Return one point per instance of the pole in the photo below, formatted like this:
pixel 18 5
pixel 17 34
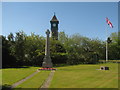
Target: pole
pixel 106 45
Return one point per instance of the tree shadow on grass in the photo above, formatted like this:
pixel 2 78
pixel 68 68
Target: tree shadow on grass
pixel 17 67
pixel 61 65
pixel 81 89
pixel 6 87
pixel 64 65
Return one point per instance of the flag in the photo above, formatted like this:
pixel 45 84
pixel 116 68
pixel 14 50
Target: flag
pixel 108 22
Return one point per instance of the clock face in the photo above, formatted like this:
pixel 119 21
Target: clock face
pixel 54 25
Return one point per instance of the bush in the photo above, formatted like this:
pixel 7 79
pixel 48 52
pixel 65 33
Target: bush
pixel 59 58
pixel 75 58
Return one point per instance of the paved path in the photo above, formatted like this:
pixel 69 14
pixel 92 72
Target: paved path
pixel 46 84
pixel 21 81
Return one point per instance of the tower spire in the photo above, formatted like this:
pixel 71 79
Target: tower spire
pixel 54 18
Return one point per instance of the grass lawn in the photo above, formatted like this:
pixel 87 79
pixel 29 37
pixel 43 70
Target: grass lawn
pixel 36 81
pixel 86 76
pixel 12 75
pixel 76 76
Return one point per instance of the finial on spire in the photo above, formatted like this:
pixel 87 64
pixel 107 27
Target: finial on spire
pixel 54 13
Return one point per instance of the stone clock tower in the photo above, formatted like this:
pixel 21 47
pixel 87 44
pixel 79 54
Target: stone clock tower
pixel 54 27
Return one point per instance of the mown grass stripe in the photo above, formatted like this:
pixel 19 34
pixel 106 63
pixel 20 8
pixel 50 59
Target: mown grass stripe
pixel 21 81
pixel 13 75
pixel 48 80
pixel 36 81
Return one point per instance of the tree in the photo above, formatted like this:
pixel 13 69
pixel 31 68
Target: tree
pixel 35 49
pixel 18 47
pixel 58 52
pixel 8 60
pixel 114 47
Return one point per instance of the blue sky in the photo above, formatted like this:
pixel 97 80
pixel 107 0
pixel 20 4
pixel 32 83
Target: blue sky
pixel 85 18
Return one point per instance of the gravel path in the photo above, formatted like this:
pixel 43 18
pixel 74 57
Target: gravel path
pixel 21 81
pixel 46 84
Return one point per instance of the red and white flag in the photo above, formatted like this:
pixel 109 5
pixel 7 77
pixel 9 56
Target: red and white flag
pixel 109 23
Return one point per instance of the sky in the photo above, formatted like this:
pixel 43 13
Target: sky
pixel 85 18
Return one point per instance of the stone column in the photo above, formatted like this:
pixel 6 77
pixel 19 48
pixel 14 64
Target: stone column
pixel 47 60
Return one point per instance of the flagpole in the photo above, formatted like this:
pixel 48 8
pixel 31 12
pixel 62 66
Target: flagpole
pixel 110 24
pixel 106 45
